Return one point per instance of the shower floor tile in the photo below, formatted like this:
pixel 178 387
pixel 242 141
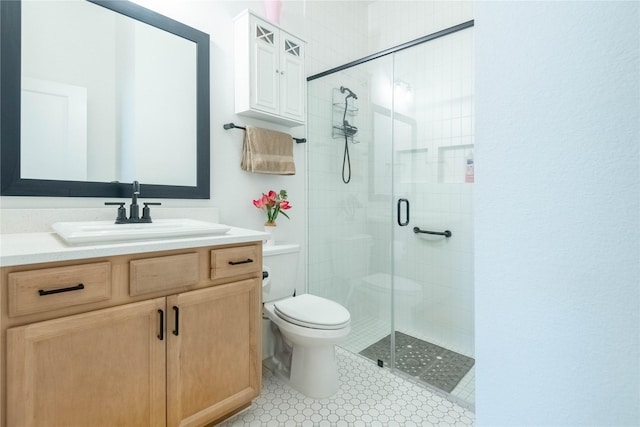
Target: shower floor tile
pixel 428 362
pixel 368 330
pixel 368 396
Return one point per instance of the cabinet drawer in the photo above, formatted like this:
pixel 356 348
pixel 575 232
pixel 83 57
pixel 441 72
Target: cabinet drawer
pixel 235 261
pixel 47 289
pixel 163 273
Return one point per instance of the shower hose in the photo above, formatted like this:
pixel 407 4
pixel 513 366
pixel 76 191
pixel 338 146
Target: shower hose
pixel 346 161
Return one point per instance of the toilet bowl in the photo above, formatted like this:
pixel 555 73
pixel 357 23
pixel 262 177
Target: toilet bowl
pixel 309 327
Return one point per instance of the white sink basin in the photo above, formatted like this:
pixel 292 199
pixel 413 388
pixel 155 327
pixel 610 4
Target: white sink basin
pixel 107 231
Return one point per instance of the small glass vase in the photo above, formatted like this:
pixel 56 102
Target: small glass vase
pixel 270 227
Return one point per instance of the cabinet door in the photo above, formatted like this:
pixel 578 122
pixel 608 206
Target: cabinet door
pixel 213 352
pixel 292 82
pixel 265 66
pixel 103 368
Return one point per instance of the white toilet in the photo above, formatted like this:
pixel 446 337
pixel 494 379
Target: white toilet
pixel 305 327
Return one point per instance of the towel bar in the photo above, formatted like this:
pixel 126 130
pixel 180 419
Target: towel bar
pixel 228 126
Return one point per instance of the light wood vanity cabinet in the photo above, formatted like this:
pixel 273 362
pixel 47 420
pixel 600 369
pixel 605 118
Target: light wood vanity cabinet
pixel 212 370
pixel 166 346
pixel 105 367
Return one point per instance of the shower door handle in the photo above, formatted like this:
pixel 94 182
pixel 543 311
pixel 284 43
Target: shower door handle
pixel 406 221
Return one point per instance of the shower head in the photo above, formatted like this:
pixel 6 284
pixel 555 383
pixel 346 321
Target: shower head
pixel 350 95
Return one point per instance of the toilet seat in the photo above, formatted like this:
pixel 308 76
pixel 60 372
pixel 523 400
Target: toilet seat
pixel 311 311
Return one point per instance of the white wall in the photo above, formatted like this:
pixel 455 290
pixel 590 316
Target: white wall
pixel 393 22
pixel 557 213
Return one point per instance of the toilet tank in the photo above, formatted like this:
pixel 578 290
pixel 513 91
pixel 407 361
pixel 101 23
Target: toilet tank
pixel 281 261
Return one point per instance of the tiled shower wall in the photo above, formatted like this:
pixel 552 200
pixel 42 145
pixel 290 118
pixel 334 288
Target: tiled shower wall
pixel 350 231
pixel 336 210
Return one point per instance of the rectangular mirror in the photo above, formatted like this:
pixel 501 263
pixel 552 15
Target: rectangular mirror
pixel 97 94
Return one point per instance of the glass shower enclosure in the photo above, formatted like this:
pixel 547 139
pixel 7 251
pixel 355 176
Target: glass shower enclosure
pixel 390 182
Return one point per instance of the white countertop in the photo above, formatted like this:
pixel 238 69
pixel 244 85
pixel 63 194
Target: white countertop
pixel 33 248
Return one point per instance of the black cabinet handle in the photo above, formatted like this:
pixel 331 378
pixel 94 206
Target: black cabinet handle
pixel 161 333
pixel 246 261
pixel 176 331
pixel 78 287
pixel 400 202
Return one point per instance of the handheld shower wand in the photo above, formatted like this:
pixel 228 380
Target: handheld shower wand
pixel 349 131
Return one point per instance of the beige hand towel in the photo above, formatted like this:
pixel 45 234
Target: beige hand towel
pixel 267 151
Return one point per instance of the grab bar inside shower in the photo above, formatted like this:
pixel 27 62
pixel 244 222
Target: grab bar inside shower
pixel 445 233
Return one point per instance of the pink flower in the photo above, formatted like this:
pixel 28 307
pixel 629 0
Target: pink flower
pixel 258 203
pixel 273 204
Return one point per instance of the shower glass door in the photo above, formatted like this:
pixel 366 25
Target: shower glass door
pixel 410 294
pixel 433 273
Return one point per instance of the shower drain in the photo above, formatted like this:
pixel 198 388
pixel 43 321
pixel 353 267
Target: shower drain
pixel 428 362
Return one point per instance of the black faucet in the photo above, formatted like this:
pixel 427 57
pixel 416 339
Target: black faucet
pixel 134 209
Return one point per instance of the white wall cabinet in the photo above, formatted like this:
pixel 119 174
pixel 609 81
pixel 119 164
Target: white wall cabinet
pixel 269 72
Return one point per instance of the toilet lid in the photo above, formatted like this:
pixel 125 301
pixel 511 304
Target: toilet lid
pixel 312 311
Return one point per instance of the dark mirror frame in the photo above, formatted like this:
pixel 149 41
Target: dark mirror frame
pixel 11 184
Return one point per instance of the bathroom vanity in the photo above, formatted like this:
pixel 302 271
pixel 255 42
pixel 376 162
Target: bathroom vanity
pixel 147 333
